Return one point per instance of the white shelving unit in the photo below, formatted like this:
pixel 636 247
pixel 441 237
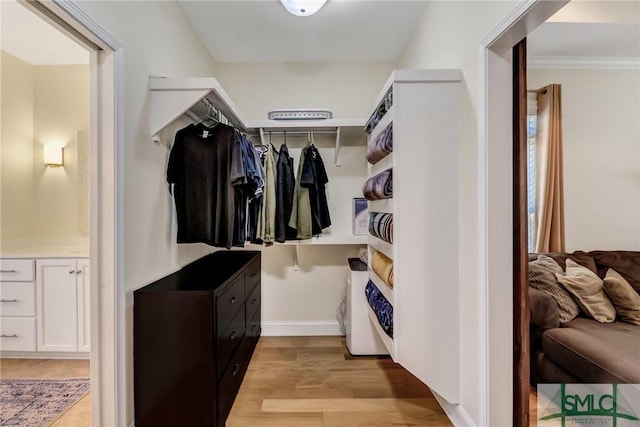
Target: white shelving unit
pixel 425 249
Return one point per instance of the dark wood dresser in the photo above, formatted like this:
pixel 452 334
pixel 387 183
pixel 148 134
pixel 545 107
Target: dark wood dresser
pixel 194 332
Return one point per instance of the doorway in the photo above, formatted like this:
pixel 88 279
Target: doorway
pixel 104 203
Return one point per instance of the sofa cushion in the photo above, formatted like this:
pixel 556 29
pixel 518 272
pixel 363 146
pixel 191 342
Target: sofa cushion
pixel 583 258
pixel 624 298
pixel 586 288
pixel 595 352
pixel 627 263
pixel 542 277
pixel 544 309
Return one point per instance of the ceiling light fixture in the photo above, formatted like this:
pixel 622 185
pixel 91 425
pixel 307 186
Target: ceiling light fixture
pixel 303 7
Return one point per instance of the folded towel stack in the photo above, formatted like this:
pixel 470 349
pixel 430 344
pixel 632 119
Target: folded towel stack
pixel 379 186
pixel 383 267
pixel 381 146
pixel 381 307
pixel 381 226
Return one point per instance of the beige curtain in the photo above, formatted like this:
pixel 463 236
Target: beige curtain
pixel 549 180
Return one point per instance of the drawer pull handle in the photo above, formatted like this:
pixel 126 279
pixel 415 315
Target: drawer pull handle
pixel 72 272
pixel 8 271
pixel 78 271
pixel 236 368
pixel 233 299
pixel 8 336
pixel 253 301
pixel 253 328
pixel 233 335
pixel 8 300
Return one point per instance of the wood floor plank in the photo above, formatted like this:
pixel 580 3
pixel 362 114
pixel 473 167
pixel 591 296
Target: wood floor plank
pixel 293 376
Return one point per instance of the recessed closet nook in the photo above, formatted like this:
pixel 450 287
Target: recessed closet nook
pixel 401 155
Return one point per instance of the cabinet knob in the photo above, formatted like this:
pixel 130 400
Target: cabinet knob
pixel 233 335
pixel 8 336
pixel 72 272
pixel 78 271
pixel 253 301
pixel 8 300
pixel 233 299
pixel 253 328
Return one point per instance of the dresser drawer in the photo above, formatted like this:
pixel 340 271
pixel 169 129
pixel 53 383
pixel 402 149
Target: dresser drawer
pixel 253 329
pixel 228 341
pixel 230 381
pixel 17 299
pixel 252 276
pixel 253 303
pixel 17 270
pixel 17 334
pixel 229 302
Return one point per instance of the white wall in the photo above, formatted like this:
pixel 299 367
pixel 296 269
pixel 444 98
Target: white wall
pixel 157 40
pixel 16 149
pixel 347 89
pixel 42 105
pixel 601 142
pixel 61 110
pixel 449 37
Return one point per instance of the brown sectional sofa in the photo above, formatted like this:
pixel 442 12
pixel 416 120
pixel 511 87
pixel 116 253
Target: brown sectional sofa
pixel 583 350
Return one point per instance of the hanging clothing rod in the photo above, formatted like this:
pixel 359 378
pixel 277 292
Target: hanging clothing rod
pixel 301 132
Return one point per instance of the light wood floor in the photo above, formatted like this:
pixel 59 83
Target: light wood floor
pixel 292 381
pixel 313 381
pixel 79 415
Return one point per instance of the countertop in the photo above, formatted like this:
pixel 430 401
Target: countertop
pixel 45 252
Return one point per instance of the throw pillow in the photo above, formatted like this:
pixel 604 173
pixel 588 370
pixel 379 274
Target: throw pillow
pixel 542 276
pixel 624 298
pixel 586 287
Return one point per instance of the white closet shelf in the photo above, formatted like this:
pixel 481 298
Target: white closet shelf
pixel 386 339
pixel 174 97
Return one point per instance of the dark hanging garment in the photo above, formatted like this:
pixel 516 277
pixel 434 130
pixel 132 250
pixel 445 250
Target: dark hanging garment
pixel 285 185
pixel 314 177
pixel 200 165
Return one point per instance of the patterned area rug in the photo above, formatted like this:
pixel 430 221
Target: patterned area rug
pixel 37 402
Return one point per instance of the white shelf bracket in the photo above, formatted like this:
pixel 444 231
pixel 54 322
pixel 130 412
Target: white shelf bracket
pixel 336 156
pixel 262 138
pixel 296 256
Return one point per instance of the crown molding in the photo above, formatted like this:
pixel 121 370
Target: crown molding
pixel 584 63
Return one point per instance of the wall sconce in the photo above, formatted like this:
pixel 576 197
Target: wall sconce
pixel 303 7
pixel 53 156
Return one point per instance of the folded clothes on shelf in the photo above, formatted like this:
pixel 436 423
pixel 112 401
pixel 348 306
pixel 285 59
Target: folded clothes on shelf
pixel 379 186
pixel 381 146
pixel 381 307
pixel 382 265
pixel 381 226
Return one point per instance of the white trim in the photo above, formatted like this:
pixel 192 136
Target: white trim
pixel 108 385
pixel 495 207
pixel 297 329
pixel 583 63
pixel 456 413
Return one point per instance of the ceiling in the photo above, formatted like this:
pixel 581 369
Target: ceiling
pixel 343 30
pixel 30 38
pixel 263 31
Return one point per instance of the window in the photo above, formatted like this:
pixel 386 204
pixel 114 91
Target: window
pixel 532 117
pixel 531 181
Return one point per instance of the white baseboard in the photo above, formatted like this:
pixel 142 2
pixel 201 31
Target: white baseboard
pixel 297 329
pixel 457 415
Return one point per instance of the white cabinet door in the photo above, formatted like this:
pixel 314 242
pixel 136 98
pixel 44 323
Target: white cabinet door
pixel 57 311
pixel 84 302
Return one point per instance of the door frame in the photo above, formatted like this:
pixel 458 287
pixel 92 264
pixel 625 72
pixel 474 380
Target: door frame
pixel 495 189
pixel 106 207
